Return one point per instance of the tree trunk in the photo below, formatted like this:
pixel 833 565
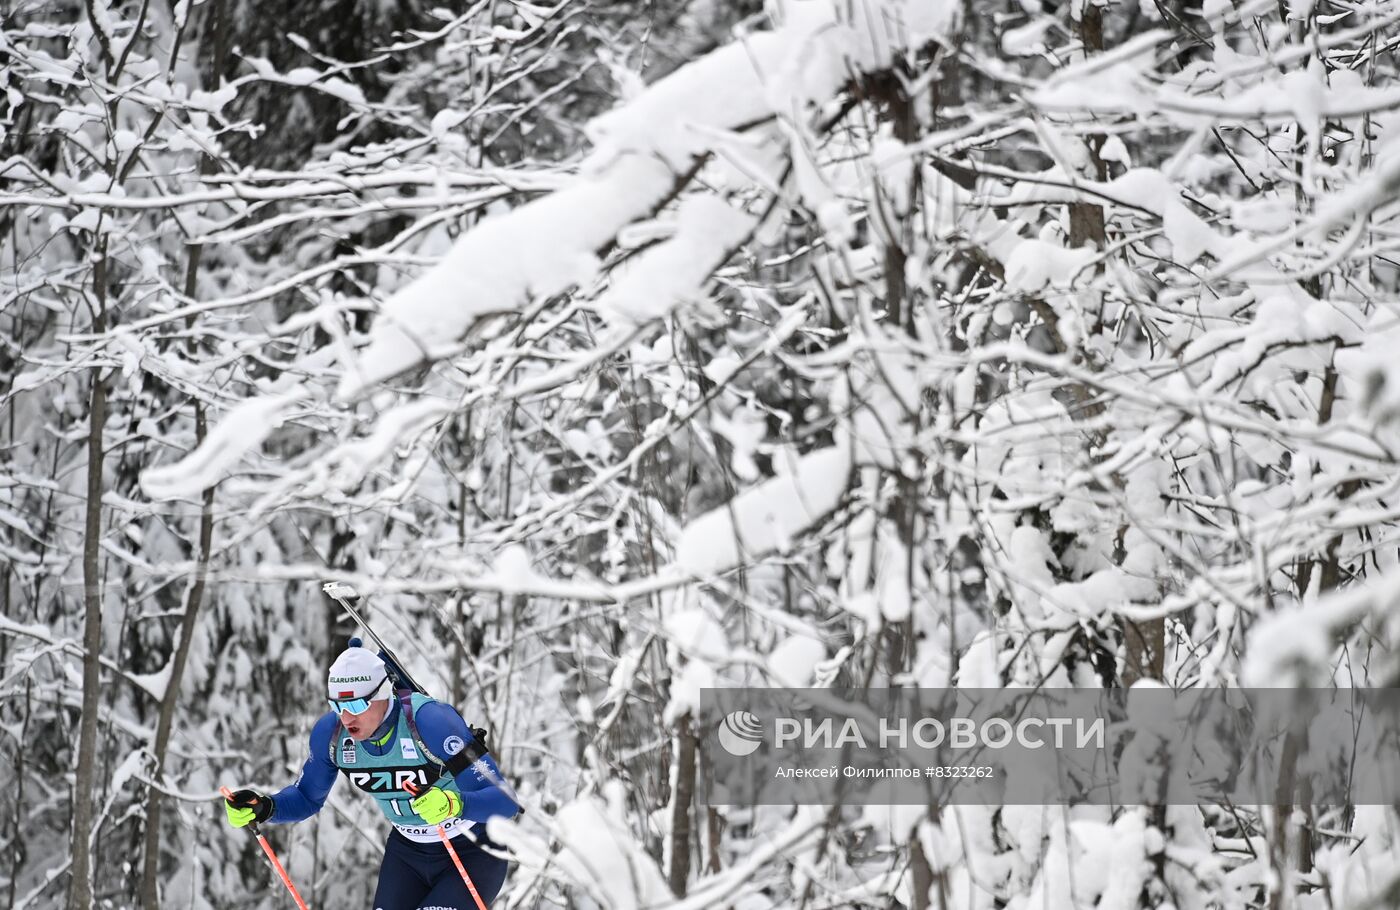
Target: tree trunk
pixel 150 892
pixel 921 877
pixel 681 798
pixel 80 893
pixel 1086 224
pixel 160 745
pixel 19 853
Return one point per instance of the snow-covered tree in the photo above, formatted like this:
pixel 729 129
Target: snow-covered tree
pixel 619 350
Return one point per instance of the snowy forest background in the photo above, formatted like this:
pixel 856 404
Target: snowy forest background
pixel 620 348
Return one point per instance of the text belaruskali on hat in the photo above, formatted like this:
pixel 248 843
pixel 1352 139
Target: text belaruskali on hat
pixel 356 673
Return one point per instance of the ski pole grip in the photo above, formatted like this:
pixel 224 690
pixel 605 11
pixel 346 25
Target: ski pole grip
pixel 252 825
pixel 234 799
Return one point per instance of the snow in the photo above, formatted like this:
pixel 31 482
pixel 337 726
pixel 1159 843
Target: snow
pixel 880 392
pixel 1029 558
pixel 522 330
pixel 1296 95
pixel 1109 590
pixel 395 427
pixel 745 430
pixel 1035 264
pixel 641 147
pixel 767 518
pixel 1028 39
pixel 445 121
pixel 979 667
pixel 155 683
pixel 698 635
pixel 597 852
pixel 128 768
pixel 892 589
pixel 1372 189
pixel 863 605
pixel 343 90
pixel 213 102
pixel 724 89
pixel 512 564
pixel 1370 373
pixel 1294 647
pixel 240 431
pixel 793 661
pixel 1015 445
pixel 687 690
pixel 1114 859
pixel 537 250
pixel 673 271
pixel 1263 215
pixel 1188 234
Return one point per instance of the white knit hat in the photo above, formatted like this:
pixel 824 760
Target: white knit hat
pixel 357 673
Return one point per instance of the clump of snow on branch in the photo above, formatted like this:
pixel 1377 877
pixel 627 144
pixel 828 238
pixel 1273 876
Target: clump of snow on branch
pixel 643 147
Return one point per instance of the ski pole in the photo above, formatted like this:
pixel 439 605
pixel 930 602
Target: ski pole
pixel 276 864
pixel 457 860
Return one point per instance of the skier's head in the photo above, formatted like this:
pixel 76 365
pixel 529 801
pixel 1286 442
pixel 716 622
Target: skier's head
pixel 357 688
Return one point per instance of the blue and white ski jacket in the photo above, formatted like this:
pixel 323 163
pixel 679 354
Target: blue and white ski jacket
pixel 385 764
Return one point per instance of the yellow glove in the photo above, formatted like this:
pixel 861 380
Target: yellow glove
pixel 246 807
pixel 436 805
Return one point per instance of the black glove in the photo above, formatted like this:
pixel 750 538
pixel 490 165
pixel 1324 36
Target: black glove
pixel 245 800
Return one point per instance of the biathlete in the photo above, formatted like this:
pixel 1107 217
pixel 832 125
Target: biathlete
pixel 416 761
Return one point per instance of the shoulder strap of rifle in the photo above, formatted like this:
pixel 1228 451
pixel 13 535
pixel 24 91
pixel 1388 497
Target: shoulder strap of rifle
pixel 455 764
